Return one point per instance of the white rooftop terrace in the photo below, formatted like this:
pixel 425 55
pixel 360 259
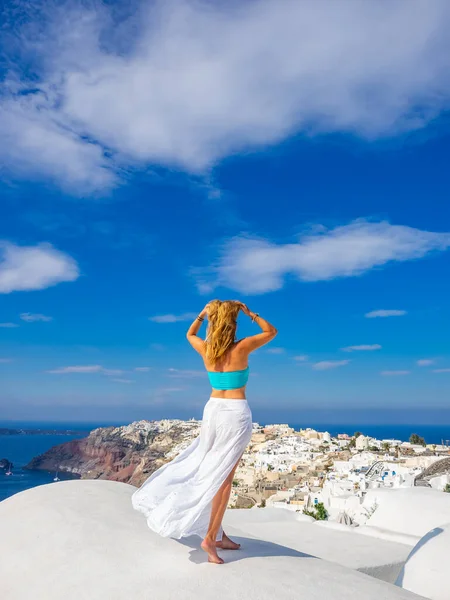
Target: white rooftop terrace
pixel 82 540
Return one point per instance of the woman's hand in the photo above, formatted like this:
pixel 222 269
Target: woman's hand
pixel 245 309
pixel 204 312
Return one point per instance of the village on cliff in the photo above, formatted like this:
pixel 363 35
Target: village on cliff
pixel 300 470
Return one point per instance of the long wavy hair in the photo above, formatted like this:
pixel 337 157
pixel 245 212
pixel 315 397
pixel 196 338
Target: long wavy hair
pixel 222 325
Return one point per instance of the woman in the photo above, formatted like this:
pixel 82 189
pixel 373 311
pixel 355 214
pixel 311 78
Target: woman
pixel 189 495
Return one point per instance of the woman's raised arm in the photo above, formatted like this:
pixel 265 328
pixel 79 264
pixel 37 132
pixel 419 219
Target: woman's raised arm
pixel 196 342
pixel 260 339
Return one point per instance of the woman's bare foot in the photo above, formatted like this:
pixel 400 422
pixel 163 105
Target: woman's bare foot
pixel 227 544
pixel 209 547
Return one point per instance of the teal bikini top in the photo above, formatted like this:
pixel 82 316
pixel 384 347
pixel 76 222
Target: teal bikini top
pixel 228 380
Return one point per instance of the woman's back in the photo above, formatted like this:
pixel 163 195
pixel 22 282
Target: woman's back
pixel 229 377
pixel 235 359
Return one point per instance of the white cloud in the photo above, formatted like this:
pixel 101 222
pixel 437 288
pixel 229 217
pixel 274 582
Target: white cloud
pixel 24 268
pixel 78 369
pixel 425 362
pixel 37 141
pixel 86 369
pixel 184 84
pixel 157 347
pixel 385 313
pixel 112 371
pixel 256 266
pixel 123 380
pixel 441 370
pixel 9 325
pixel 276 350
pixel 142 369
pixel 364 347
pixel 185 373
pixel 394 373
pixel 173 318
pixel 31 318
pixel 301 357
pixel 324 365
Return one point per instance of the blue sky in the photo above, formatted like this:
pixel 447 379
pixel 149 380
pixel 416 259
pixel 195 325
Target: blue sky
pixel 157 156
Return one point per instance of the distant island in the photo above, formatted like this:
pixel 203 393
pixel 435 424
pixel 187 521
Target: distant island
pixel 5 464
pixel 8 431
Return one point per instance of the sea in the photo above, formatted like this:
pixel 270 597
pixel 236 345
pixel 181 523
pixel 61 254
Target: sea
pixel 20 449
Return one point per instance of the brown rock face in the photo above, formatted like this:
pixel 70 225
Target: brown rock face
pixel 129 453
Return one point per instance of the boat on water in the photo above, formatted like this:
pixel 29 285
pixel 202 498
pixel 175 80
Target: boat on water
pixel 56 478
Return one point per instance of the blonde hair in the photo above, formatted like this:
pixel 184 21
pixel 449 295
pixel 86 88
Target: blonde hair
pixel 222 325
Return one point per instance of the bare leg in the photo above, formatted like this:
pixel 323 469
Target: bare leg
pixel 219 505
pixel 226 543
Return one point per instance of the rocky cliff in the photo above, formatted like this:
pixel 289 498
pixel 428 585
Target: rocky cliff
pixel 129 453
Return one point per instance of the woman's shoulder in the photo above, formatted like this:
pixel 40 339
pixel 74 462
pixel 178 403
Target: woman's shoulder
pixel 239 348
pixel 241 345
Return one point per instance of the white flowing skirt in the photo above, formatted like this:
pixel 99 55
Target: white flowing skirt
pixel 176 499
